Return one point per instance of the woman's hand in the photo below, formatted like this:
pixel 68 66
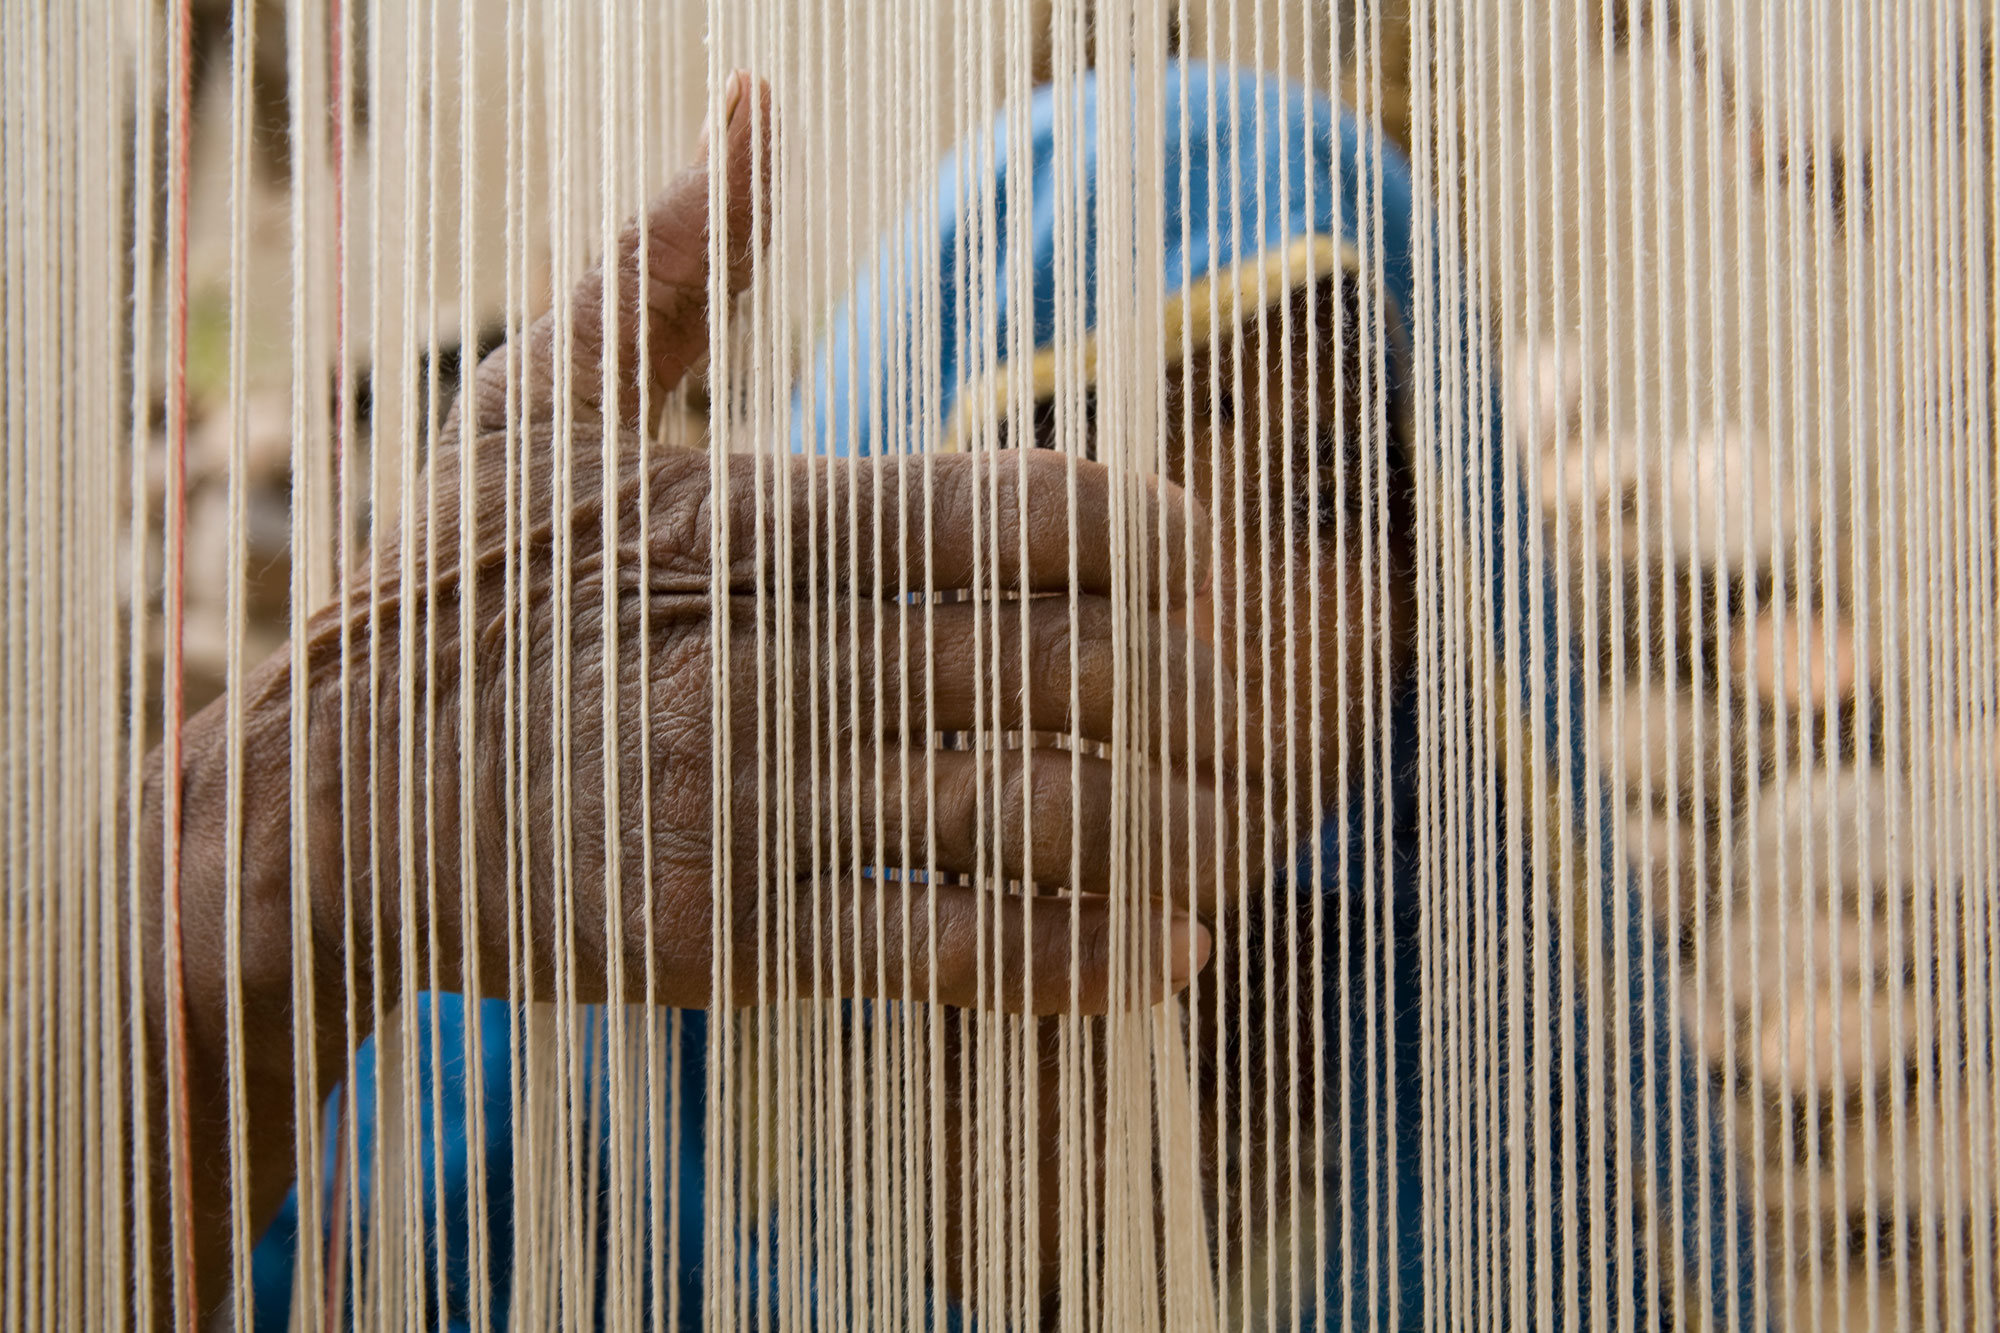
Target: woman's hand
pixel 511 726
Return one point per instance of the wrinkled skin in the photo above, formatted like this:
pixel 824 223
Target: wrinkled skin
pixel 423 639
pixel 497 801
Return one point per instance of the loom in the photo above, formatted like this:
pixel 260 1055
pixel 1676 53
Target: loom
pixel 1074 664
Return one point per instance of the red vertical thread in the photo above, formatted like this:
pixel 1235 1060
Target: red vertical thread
pixel 181 1163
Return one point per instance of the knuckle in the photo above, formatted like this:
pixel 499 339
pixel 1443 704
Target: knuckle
pixel 1042 468
pixel 1048 683
pixel 960 821
pixel 1093 941
pixel 1012 815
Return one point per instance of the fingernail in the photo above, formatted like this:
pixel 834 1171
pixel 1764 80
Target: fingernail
pixel 732 95
pixel 1187 950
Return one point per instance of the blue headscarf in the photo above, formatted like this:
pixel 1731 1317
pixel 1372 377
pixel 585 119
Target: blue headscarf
pixel 1256 170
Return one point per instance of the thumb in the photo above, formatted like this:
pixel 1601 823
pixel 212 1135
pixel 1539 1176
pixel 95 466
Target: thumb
pixel 667 296
pixel 678 237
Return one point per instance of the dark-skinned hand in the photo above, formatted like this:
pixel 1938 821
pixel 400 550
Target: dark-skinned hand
pixel 457 636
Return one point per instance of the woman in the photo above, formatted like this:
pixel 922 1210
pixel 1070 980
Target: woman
pixel 1288 289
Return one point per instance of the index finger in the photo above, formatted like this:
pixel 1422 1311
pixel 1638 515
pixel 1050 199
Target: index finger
pixel 657 317
pixel 1016 521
